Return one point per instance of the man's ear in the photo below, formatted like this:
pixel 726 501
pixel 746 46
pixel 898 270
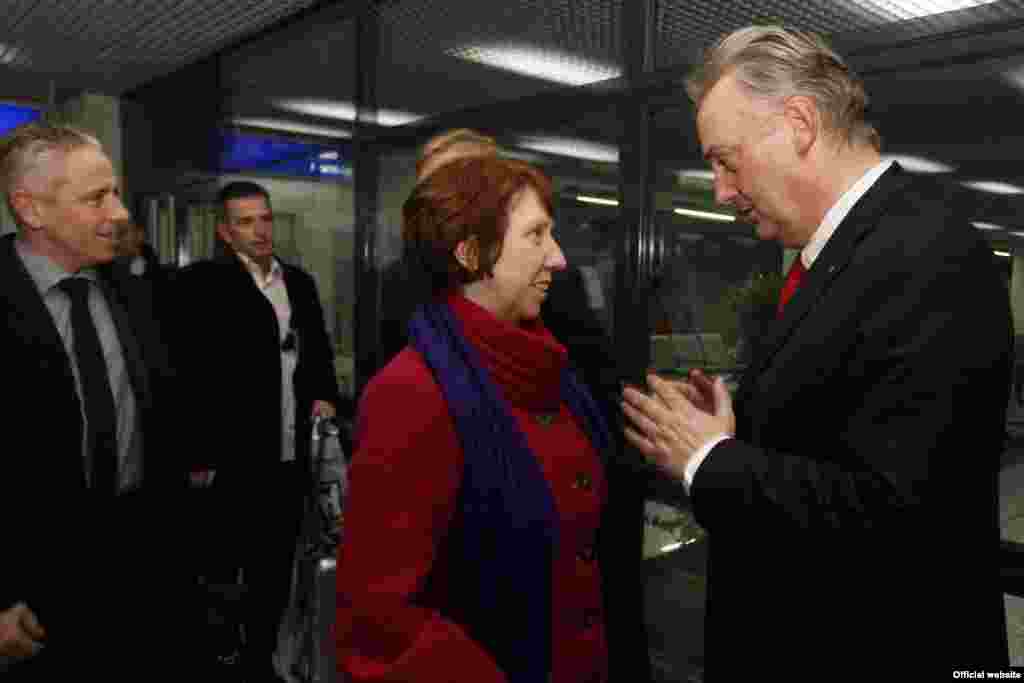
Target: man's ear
pixel 222 232
pixel 27 210
pixel 802 114
pixel 467 253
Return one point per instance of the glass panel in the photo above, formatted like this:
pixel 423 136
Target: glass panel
pixel 713 284
pixel 716 285
pixel 274 134
pixel 400 290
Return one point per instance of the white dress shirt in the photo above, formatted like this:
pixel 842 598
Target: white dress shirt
pixel 809 254
pixel 273 287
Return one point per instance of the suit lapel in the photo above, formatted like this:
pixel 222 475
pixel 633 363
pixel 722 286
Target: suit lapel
pixel 29 317
pixel 254 298
pixel 130 347
pixel 291 286
pixel 832 261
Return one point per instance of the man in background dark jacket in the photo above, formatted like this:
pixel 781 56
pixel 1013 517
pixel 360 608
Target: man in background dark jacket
pixel 260 367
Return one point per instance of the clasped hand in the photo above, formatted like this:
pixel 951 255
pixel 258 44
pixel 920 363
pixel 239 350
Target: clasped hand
pixel 21 634
pixel 677 418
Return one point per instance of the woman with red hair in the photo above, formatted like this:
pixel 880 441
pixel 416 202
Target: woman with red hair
pixel 477 482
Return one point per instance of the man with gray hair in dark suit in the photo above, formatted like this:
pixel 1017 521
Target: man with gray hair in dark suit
pixel 855 471
pixel 89 583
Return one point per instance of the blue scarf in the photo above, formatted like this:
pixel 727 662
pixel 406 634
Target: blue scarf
pixel 505 531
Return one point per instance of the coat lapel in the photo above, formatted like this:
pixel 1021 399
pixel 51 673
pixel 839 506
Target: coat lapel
pixel 28 315
pixel 296 322
pixel 255 298
pixel 130 347
pixel 832 261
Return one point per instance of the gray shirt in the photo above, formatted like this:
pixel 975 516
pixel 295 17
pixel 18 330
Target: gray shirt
pixel 47 275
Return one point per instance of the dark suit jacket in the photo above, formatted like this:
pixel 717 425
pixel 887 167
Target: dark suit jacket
pixel 227 343
pixel 58 540
pixel 853 521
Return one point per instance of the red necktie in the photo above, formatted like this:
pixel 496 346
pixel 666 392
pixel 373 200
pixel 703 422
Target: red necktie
pixel 793 278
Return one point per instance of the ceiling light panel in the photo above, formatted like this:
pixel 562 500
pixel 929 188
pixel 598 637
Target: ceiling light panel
pixel 898 10
pixel 684 29
pixel 122 43
pixel 705 215
pixel 292 127
pixel 916 164
pixel 582 28
pixel 343 111
pixel 555 65
pixel 572 147
pixel 455 56
pixel 994 187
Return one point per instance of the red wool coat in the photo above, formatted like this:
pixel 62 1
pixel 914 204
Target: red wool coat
pixel 405 477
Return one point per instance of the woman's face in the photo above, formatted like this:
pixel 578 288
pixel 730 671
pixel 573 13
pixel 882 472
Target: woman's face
pixel 529 255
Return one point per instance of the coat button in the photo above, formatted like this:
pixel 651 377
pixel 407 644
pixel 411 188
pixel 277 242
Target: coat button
pixel 587 553
pixel 545 419
pixel 583 481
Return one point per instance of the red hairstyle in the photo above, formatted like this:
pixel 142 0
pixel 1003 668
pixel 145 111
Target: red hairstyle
pixel 466 198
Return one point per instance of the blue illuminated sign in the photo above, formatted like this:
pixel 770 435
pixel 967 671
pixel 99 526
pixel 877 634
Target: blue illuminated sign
pixel 242 152
pixel 12 116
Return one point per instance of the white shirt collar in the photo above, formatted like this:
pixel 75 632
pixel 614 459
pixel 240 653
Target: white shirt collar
pixel 839 211
pixel 262 281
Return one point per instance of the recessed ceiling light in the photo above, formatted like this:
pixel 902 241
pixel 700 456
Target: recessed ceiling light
pixel 528 157
pixel 994 187
pixel 914 9
pixel 1001 253
pixel 344 111
pixel 918 164
pixel 292 127
pixel 706 215
pixel 545 63
pixel 700 174
pixel 981 225
pixel 10 54
pixel 589 199
pixel 572 147
pixel 1018 234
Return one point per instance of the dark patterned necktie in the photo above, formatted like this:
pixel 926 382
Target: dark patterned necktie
pixel 100 412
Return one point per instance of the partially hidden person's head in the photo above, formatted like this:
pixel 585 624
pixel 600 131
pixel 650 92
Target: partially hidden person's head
pixel 62 193
pixel 130 238
pixel 246 221
pixel 774 106
pixel 453 144
pixel 483 226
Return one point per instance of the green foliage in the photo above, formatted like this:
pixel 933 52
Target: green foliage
pixel 761 289
pixel 756 295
